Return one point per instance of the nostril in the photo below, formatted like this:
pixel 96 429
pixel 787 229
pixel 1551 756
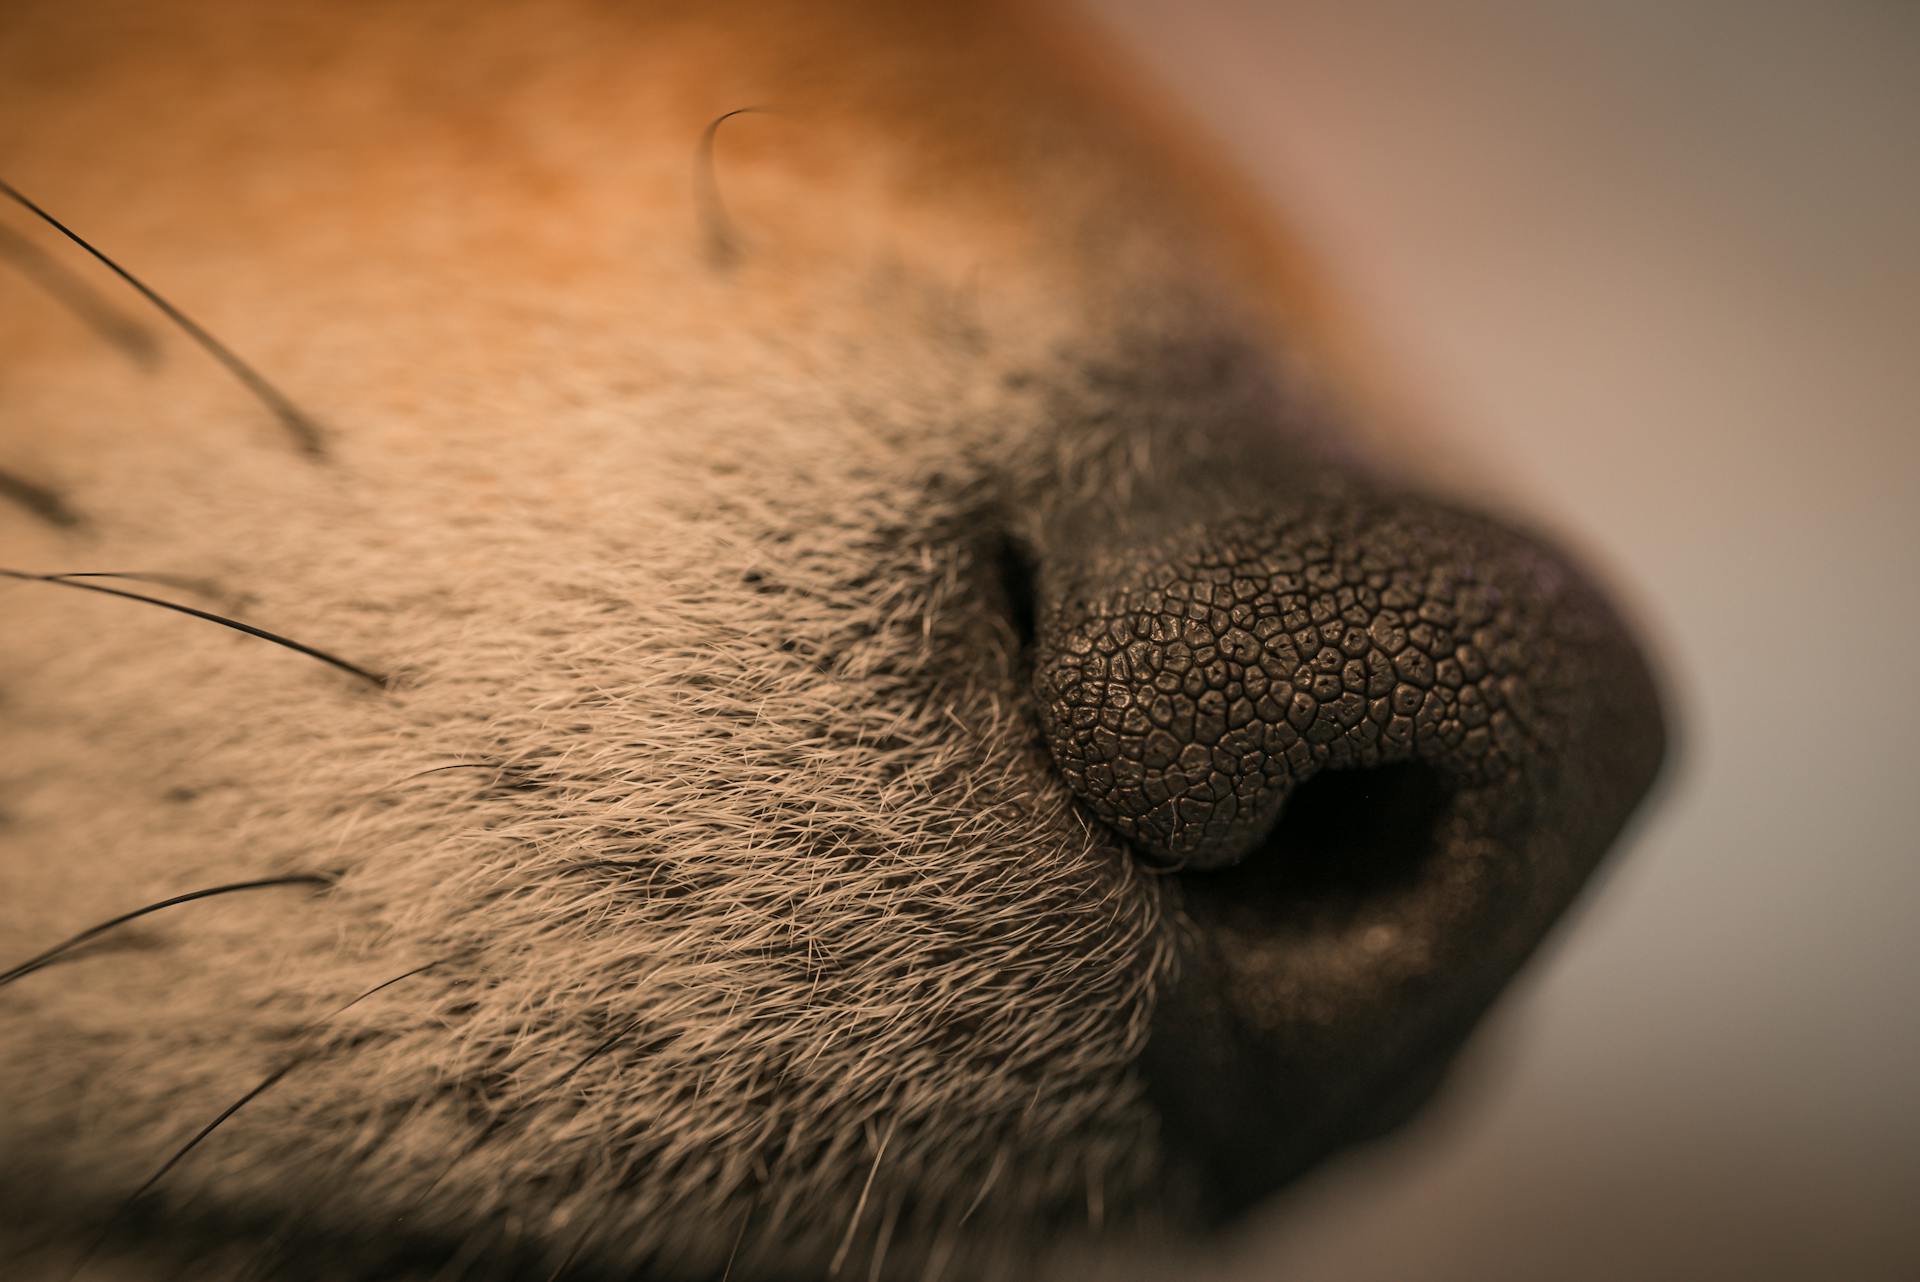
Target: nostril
pixel 1345 839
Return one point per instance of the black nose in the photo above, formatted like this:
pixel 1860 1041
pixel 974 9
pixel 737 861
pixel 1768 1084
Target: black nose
pixel 1385 739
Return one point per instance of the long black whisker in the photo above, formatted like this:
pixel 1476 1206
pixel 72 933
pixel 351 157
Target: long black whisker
pixel 72 581
pixel 389 983
pixel 183 582
pixel 723 244
pixel 38 499
pixel 34 963
pixel 265 1084
pixel 78 297
pixel 305 432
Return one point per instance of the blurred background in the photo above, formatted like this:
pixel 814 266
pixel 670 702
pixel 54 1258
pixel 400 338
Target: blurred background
pixel 1661 262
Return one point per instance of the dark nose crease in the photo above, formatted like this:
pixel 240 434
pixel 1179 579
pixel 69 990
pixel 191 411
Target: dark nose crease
pixel 1385 741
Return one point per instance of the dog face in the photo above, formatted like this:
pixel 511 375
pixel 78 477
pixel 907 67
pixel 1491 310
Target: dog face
pixel 855 709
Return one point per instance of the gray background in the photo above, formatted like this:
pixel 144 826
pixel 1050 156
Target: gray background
pixel 1659 260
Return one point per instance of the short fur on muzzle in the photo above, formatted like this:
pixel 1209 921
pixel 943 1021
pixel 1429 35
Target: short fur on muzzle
pixel 823 691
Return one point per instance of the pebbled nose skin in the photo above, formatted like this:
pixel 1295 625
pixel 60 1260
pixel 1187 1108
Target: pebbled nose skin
pixel 1384 740
pixel 1186 687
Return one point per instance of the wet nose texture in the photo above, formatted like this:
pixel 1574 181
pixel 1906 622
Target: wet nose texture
pixel 1384 741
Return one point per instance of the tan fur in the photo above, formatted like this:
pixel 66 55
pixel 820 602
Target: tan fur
pixel 759 928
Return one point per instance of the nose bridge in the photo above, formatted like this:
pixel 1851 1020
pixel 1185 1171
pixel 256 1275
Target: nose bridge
pixel 1189 683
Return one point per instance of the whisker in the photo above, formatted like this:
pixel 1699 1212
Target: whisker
pixel 458 765
pixel 389 983
pixel 305 432
pixel 608 1044
pixel 73 581
pixel 38 499
pixel 93 932
pixel 723 245
pixel 265 1084
pixel 183 582
pixel 73 293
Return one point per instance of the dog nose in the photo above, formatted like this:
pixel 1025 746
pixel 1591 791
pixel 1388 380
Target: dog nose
pixel 1187 687
pixel 1383 739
